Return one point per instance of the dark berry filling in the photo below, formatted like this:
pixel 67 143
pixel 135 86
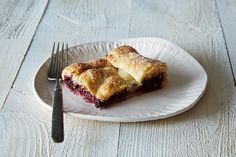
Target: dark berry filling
pixel 153 83
pixel 77 89
pixel 148 85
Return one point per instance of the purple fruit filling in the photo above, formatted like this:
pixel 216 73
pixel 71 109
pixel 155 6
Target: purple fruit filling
pixel 153 83
pixel 87 96
pixel 148 85
pixel 77 89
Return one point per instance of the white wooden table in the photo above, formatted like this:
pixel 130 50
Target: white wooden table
pixel 204 28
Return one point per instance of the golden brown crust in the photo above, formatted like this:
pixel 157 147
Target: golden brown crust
pixel 138 66
pixel 77 68
pixel 98 77
pixel 122 68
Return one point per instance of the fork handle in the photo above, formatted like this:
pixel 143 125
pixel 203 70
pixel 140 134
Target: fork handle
pixel 57 117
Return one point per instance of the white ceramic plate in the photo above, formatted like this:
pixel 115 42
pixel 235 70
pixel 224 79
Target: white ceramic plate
pixel 186 84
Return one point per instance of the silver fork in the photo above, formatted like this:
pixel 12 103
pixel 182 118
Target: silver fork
pixel 57 62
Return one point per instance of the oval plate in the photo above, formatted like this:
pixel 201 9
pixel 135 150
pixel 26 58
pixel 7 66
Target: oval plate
pixel 187 82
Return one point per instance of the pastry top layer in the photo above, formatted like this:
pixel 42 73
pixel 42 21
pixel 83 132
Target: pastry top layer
pixel 99 77
pixel 139 67
pixel 121 69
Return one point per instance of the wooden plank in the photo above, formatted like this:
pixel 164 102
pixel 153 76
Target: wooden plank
pixel 204 130
pixel 227 17
pixel 232 124
pixel 73 22
pixel 32 125
pixel 227 12
pixel 18 23
pixel 19 132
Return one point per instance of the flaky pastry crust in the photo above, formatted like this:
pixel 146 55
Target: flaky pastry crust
pixel 121 69
pixel 139 67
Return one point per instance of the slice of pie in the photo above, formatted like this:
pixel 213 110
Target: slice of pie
pixel 120 74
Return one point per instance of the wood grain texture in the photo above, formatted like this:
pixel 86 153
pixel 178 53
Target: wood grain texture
pixel 227 12
pixel 208 129
pixel 232 124
pixel 19 132
pixel 203 130
pixel 82 137
pixel 19 19
pixel 73 22
pixel 227 17
pixel 18 22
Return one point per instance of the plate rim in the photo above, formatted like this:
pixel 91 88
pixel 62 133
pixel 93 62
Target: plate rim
pixel 126 118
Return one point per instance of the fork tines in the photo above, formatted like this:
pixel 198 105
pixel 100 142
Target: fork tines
pixel 58 60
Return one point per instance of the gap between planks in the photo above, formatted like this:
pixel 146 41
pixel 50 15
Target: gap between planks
pixel 44 11
pixel 225 42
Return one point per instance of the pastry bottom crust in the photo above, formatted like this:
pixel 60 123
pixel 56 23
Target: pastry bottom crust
pixel 148 85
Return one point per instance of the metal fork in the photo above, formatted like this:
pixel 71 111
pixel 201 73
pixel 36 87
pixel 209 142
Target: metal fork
pixel 57 62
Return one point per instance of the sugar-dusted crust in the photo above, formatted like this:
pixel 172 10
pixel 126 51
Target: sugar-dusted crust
pixel 139 67
pixel 77 68
pixel 122 70
pixel 99 77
